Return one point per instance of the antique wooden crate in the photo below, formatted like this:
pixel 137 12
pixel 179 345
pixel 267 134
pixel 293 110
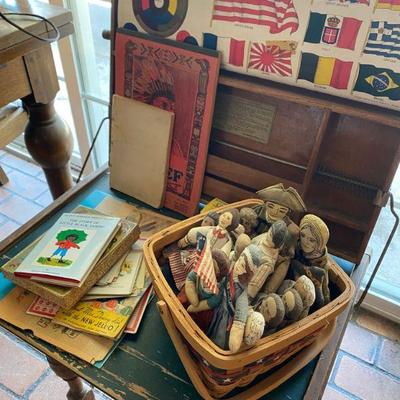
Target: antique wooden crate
pixel 214 371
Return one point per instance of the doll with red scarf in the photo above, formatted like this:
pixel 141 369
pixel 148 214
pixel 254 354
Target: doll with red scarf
pixel 218 237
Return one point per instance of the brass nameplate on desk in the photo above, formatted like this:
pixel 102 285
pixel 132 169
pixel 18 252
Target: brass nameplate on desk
pixel 244 117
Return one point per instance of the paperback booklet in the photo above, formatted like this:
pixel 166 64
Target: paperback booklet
pixel 123 285
pixel 68 251
pixel 103 318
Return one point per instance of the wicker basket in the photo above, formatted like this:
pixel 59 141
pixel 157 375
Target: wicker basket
pixel 214 371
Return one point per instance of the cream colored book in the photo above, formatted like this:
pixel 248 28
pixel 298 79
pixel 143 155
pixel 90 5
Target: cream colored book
pixel 140 146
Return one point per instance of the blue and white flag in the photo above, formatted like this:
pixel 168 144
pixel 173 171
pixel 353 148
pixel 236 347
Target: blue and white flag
pixel 384 40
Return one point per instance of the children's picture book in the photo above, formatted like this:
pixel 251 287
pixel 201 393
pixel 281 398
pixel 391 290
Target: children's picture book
pixel 134 322
pixel 43 308
pixel 68 251
pixel 106 318
pixel 122 285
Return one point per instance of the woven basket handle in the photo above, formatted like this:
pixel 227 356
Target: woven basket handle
pixel 261 388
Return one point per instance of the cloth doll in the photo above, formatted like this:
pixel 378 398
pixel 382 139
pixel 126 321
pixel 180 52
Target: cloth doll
pixel 311 258
pixel 248 218
pixel 228 325
pixel 279 203
pixel 272 308
pixel 270 243
pixel 211 219
pixel 218 237
pixel 286 254
pixel 199 296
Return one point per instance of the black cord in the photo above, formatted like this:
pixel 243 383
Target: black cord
pixel 48 40
pixel 91 148
pixel 396 217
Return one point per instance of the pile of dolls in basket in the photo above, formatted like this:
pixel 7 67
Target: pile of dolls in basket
pixel 246 273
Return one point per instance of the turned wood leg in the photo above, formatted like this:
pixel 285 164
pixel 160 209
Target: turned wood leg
pixel 3 177
pixel 49 141
pixel 77 389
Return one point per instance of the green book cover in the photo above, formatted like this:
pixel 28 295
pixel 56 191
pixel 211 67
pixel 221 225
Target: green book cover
pixel 69 250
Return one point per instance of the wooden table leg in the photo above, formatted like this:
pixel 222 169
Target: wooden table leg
pixel 49 141
pixel 77 389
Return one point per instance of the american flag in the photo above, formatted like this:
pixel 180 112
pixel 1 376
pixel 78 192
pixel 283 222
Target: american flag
pixel 205 267
pixel 270 59
pixel 278 15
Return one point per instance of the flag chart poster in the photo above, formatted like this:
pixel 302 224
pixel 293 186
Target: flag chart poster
pixel 348 48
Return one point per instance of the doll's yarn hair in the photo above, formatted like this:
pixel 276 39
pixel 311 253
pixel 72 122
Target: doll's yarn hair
pixel 222 261
pixel 279 233
pixel 318 229
pixel 214 216
pixel 235 219
pixel 247 213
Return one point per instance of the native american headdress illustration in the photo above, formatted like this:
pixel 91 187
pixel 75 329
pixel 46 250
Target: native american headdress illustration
pixel 154 84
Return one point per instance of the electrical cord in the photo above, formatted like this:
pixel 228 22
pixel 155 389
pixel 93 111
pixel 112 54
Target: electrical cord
pixel 396 223
pixel 91 148
pixel 45 20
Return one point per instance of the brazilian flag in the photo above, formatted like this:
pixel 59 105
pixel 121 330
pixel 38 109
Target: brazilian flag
pixel 380 82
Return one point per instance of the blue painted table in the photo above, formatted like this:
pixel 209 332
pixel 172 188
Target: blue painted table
pixel 146 365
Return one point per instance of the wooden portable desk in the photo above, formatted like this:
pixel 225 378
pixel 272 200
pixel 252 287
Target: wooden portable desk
pixel 27 72
pixel 146 365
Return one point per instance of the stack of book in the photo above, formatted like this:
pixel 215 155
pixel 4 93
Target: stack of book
pixel 86 273
pixel 107 309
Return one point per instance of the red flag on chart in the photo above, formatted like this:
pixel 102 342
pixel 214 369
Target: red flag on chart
pixel 348 33
pixel 236 52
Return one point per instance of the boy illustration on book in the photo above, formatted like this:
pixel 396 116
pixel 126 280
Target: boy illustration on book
pixel 66 240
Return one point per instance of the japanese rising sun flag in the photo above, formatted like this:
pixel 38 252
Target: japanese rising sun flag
pixel 278 15
pixel 272 59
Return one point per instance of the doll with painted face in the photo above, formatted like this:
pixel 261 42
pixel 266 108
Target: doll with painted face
pixel 311 257
pixel 211 219
pixel 279 203
pixel 218 237
pixel 228 325
pixel 270 244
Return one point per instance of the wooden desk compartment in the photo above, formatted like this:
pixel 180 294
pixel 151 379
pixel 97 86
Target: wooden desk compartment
pixel 245 365
pixel 340 155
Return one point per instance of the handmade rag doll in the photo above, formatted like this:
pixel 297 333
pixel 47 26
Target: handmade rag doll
pixel 311 257
pixel 228 325
pixel 218 237
pixel 279 203
pixel 269 243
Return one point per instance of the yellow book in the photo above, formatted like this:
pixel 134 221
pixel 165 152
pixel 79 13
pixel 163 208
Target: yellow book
pixel 104 318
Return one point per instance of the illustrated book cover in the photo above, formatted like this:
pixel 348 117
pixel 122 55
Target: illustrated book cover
pixel 66 297
pixel 181 79
pixel 106 318
pixel 68 251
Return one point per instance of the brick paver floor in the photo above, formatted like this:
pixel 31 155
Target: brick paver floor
pixel 367 366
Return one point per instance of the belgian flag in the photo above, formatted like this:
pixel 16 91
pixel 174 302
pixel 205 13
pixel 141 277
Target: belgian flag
pixel 379 82
pixel 326 71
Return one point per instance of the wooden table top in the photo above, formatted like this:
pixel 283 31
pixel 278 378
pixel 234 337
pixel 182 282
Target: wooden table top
pixel 146 365
pixel 13 42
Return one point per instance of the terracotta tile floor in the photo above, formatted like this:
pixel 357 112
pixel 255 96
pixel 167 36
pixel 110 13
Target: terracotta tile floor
pixel 367 366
